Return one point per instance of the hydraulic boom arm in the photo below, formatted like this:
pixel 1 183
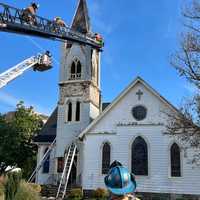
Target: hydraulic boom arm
pixel 41 62
pixel 12 20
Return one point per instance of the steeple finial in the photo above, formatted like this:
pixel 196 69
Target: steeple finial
pixel 81 21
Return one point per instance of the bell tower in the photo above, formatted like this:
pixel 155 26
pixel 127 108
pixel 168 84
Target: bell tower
pixel 79 84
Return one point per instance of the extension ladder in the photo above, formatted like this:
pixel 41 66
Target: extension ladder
pixel 69 159
pixel 44 158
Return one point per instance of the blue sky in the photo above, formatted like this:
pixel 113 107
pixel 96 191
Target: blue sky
pixel 140 36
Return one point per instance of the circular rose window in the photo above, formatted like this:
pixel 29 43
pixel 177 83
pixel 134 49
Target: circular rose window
pixel 139 112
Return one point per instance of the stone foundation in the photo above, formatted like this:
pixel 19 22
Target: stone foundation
pixel 153 196
pixel 161 196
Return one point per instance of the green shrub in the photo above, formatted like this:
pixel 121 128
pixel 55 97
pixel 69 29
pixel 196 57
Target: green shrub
pixel 2 192
pixel 101 193
pixel 35 187
pixel 1 189
pixel 26 192
pixel 12 185
pixel 75 194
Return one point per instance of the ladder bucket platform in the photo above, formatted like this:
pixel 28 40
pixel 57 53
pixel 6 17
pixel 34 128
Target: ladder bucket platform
pixel 44 64
pixel 41 68
pixel 12 20
pixel 40 62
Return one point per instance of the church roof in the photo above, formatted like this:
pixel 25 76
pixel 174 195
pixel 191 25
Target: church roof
pixel 48 132
pixel 81 21
pixel 123 93
pixel 105 105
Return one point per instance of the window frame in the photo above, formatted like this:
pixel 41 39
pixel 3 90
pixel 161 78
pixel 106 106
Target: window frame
pixel 77 69
pixel 69 114
pixel 146 114
pixel 170 163
pixel 48 159
pixel 102 147
pixel 60 169
pixel 148 155
pixel 78 112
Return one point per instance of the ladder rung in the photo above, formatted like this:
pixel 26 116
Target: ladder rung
pixel 67 169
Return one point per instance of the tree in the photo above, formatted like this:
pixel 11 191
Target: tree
pixel 16 146
pixel 185 124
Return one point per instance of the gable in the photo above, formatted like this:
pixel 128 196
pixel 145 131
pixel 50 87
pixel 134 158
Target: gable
pixel 119 113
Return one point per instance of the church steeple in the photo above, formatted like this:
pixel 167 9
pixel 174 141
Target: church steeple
pixel 81 21
pixel 80 95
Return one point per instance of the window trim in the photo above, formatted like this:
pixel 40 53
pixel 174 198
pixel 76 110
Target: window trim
pixel 79 114
pixel 59 172
pixel 148 156
pixel 76 75
pixel 49 156
pixel 169 160
pixel 67 114
pixel 101 155
pixel 137 106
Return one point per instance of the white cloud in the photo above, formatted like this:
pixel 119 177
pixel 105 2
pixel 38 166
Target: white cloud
pixel 95 8
pixel 11 101
pixel 8 99
pixel 99 22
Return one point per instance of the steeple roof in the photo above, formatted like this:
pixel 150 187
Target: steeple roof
pixel 81 21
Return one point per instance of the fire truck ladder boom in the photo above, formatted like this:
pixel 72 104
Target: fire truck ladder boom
pixel 40 62
pixel 11 20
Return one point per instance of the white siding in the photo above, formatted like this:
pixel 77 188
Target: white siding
pixel 121 139
pixel 45 178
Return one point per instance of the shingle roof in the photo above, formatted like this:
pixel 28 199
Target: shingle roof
pixel 104 106
pixel 48 132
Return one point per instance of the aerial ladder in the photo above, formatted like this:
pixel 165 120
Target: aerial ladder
pixel 40 62
pixel 11 20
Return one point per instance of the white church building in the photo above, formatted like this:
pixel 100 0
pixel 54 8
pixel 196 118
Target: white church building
pixel 130 129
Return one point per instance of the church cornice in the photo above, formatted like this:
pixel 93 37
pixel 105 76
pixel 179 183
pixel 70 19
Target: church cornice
pixel 103 133
pixel 64 83
pixel 139 124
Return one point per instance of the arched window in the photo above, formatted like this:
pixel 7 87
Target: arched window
pixel 78 105
pixel 106 158
pixel 69 116
pixel 139 157
pixel 175 158
pixel 45 168
pixel 76 69
pixel 73 68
